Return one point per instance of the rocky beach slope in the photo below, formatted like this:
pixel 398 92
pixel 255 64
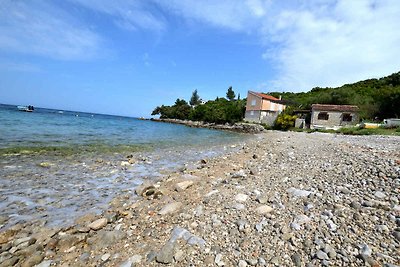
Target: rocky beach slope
pixel 283 199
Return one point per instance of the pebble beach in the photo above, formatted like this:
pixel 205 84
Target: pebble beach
pixel 279 199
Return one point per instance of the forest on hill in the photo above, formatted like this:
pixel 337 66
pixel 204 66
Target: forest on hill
pixel 377 98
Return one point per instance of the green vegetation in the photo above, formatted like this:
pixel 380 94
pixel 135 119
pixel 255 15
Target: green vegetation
pixel 230 94
pixel 195 99
pixel 218 111
pixel 376 98
pixel 284 121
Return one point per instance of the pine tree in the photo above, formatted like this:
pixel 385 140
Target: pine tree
pixel 195 99
pixel 230 94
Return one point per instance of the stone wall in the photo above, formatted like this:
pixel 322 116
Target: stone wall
pixel 266 117
pixel 252 116
pixel 335 119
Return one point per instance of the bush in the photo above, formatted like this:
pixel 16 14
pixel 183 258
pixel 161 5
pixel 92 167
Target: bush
pixel 284 122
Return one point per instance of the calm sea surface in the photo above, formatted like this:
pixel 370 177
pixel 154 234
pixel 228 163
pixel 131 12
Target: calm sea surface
pixel 57 165
pixel 49 130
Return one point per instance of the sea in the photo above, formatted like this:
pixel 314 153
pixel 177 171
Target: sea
pixel 56 165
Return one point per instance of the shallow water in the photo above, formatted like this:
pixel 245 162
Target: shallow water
pixel 57 166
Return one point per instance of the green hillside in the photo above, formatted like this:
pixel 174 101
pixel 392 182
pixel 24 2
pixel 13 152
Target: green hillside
pixel 376 98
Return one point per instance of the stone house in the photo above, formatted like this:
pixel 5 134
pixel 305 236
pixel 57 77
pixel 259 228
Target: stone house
pixel 262 108
pixel 333 116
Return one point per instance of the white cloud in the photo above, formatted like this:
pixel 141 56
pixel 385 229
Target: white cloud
pixel 310 43
pixel 130 15
pixel 353 40
pixel 233 15
pixel 43 29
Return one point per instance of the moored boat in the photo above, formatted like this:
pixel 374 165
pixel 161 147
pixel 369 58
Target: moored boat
pixel 26 108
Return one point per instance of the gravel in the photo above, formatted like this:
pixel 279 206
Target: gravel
pixel 303 200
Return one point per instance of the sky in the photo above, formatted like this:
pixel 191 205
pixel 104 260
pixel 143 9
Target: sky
pixel 125 57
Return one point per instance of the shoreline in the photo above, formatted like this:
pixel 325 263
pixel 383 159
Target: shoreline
pixel 283 198
pixel 55 187
pixel 240 127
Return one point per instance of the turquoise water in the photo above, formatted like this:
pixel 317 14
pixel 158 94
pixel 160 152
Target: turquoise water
pixel 56 166
pixel 67 131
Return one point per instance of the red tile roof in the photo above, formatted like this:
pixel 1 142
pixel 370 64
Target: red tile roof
pixel 264 96
pixel 340 108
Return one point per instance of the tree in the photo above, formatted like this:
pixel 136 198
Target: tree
pixel 230 94
pixel 195 99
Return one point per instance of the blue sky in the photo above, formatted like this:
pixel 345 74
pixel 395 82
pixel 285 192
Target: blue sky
pixel 127 57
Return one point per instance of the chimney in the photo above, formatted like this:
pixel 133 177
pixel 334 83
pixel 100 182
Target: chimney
pixel 280 97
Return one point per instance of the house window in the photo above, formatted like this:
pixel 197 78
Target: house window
pixel 253 102
pixel 347 117
pixel 323 116
pixel 252 113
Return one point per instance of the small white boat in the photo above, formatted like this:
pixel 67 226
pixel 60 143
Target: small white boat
pixel 26 108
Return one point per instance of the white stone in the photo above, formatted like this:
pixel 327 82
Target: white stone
pixel 183 185
pixel 264 209
pixel 105 256
pixel 242 263
pixel 209 194
pixel 135 259
pixel 98 224
pixel 241 197
pixel 302 219
pixel 379 194
pixel 44 264
pixel 298 192
pixel 218 260
pixel 170 208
